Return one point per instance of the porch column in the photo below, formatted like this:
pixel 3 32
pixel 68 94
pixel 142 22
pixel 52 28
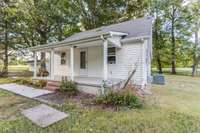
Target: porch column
pixel 52 64
pixel 105 60
pixel 72 63
pixel 35 65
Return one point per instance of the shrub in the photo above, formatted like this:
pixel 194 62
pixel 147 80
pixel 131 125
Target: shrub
pixel 125 98
pixel 24 81
pixel 29 82
pixel 40 83
pixel 67 86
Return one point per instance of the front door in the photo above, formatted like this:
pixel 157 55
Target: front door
pixel 83 62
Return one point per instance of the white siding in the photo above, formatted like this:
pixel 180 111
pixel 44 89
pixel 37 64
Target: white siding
pixel 58 68
pixel 94 61
pixel 126 57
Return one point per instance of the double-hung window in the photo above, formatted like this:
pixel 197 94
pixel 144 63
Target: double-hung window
pixel 111 55
pixel 63 58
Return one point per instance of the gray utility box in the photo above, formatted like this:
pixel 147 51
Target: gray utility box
pixel 159 79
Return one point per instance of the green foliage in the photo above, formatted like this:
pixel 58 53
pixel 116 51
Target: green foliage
pixel 24 81
pixel 68 86
pixel 98 13
pixel 40 83
pixel 30 82
pixel 125 98
pixel 15 61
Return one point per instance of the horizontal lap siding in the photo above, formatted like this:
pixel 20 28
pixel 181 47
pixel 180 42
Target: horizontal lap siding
pixel 58 68
pixel 126 57
pixel 94 61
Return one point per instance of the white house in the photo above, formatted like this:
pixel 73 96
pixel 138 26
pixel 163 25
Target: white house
pixel 103 55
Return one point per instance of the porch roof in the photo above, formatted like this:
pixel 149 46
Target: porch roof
pixel 130 29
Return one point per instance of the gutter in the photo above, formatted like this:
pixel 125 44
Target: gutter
pixel 85 40
pixel 70 43
pixel 139 38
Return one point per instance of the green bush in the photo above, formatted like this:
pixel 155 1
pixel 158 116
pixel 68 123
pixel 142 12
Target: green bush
pixel 67 86
pixel 40 83
pixel 24 81
pixel 125 98
pixel 29 82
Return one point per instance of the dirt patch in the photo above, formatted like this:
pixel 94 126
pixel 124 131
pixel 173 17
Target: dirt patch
pixel 61 97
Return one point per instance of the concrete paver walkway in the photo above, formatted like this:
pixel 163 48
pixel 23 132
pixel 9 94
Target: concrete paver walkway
pixel 43 115
pixel 25 91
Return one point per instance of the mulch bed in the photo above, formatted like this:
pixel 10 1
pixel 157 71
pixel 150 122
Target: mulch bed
pixel 81 98
pixel 61 97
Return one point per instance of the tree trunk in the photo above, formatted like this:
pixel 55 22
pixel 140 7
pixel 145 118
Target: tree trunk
pixel 159 64
pixel 195 56
pixel 157 42
pixel 173 46
pixel 5 67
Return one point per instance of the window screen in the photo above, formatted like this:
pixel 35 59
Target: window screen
pixel 63 58
pixel 82 59
pixel 112 55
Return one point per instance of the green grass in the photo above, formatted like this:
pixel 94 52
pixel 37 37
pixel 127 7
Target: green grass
pixel 172 108
pixel 16 68
pixel 180 71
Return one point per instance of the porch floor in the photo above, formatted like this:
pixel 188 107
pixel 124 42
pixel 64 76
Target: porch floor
pixel 83 80
pixel 89 80
pixel 96 81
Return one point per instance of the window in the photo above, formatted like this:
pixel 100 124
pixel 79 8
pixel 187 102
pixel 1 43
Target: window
pixel 82 59
pixel 112 55
pixel 63 58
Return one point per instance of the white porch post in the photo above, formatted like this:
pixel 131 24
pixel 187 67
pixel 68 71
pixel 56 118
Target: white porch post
pixel 72 62
pixel 35 64
pixel 105 60
pixel 52 64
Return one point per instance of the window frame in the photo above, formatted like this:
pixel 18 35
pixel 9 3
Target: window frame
pixel 63 59
pixel 112 54
pixel 83 64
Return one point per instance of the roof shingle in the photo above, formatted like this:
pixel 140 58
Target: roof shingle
pixel 134 28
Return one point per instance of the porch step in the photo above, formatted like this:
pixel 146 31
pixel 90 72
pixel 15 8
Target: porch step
pixel 53 83
pixel 52 86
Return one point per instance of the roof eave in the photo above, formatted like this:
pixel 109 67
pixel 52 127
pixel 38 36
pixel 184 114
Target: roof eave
pixel 71 43
pixel 135 38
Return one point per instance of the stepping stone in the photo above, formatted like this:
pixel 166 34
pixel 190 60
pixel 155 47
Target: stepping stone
pixel 25 91
pixel 44 115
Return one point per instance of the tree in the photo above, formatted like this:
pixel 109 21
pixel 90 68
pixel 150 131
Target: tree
pixel 96 13
pixel 173 15
pixel 157 12
pixel 195 23
pixel 8 16
pixel 44 21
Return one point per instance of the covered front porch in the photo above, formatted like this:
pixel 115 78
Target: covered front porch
pixel 84 63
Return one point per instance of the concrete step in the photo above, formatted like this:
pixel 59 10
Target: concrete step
pixel 51 83
pixel 51 88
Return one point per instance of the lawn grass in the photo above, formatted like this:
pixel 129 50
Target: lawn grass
pixel 179 71
pixel 172 108
pixel 16 68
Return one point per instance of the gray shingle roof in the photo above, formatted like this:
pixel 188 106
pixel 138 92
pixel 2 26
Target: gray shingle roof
pixel 134 28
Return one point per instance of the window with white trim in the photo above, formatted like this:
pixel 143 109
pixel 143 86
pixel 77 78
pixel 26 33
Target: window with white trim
pixel 111 55
pixel 63 58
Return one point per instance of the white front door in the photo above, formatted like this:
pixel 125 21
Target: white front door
pixel 83 62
